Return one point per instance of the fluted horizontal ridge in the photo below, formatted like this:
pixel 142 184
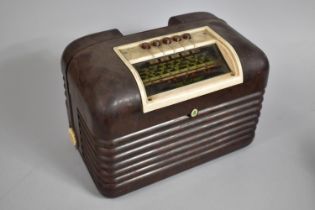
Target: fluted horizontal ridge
pixel 166 127
pixel 192 126
pixel 181 141
pixel 168 154
pixel 181 120
pixel 146 173
pixel 165 147
pixel 161 150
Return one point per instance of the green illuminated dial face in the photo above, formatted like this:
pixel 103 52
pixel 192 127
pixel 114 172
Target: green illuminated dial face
pixel 181 69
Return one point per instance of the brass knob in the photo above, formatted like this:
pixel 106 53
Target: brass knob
pixel 73 139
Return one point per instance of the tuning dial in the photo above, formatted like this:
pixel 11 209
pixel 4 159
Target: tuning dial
pixel 156 43
pixel 186 36
pixel 177 38
pixel 145 46
pixel 167 40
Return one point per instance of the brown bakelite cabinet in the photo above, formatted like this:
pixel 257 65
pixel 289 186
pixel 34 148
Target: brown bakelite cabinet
pixel 145 106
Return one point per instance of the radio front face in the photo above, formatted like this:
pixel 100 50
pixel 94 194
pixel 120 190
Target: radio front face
pixel 177 67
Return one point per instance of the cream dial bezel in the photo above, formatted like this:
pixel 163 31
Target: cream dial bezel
pixel 201 36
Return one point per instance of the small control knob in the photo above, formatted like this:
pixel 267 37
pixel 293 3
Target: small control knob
pixel 156 43
pixel 194 113
pixel 145 46
pixel 177 38
pixel 186 36
pixel 167 40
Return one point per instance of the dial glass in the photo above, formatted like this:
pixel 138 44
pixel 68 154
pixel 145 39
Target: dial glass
pixel 181 69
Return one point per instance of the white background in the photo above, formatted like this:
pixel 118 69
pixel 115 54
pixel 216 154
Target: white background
pixel 39 168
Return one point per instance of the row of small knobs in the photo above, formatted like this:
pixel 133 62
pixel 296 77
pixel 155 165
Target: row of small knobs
pixel 166 40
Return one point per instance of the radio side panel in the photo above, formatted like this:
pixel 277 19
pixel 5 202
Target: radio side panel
pixel 70 51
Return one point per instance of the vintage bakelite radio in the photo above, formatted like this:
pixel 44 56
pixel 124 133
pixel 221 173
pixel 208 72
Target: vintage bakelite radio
pixel 145 106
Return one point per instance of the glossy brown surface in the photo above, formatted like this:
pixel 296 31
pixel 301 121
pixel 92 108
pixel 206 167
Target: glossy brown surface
pixel 125 149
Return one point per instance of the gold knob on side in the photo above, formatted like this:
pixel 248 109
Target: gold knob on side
pixel 194 113
pixel 73 140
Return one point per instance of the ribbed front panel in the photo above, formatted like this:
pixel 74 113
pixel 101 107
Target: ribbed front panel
pixel 170 145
